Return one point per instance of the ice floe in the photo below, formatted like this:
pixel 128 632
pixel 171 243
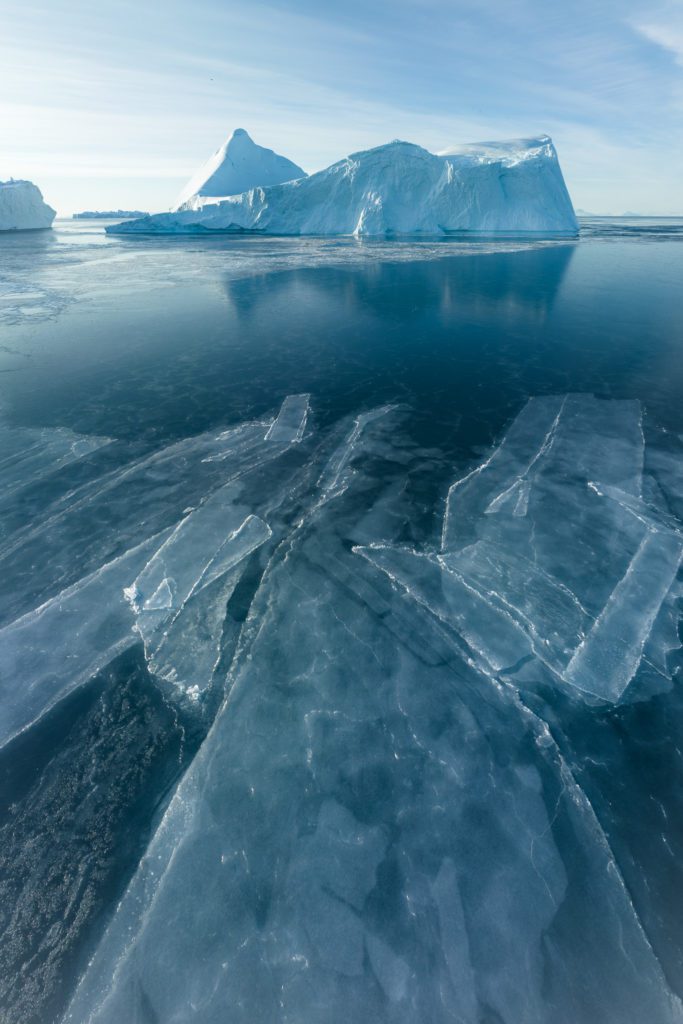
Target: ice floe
pixel 548 549
pixel 382 822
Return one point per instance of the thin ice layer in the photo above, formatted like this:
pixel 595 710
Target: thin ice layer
pixel 179 598
pixel 52 650
pixel 525 442
pixel 29 454
pixel 337 474
pixel 549 549
pixel 607 660
pixel 175 569
pixel 290 424
pixel 103 518
pixel 378 832
pixel 496 641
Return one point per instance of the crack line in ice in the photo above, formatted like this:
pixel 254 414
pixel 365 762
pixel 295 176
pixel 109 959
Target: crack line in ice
pixel 545 447
pixel 329 478
pixel 605 662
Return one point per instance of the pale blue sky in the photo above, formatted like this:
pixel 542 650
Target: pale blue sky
pixel 115 103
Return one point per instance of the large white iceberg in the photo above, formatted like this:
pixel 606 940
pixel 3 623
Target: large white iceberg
pixel 239 165
pixel 495 188
pixel 22 207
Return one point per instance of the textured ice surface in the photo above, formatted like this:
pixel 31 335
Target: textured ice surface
pixel 290 424
pixel 552 536
pixel 385 820
pixel 48 652
pixel 514 187
pixel 375 828
pixel 179 609
pixel 29 454
pixel 170 588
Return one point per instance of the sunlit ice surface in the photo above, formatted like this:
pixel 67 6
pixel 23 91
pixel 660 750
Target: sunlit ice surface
pixel 340 643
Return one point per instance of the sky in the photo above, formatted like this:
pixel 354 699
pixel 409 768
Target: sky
pixel 114 104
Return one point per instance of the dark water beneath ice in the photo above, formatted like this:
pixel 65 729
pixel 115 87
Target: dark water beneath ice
pixel 152 342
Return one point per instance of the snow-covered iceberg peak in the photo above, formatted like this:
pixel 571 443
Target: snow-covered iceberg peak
pixel 239 165
pixel 22 207
pixel 496 188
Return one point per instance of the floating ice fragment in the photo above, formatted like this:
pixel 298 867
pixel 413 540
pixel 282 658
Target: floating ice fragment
pixel 606 661
pixel 50 651
pixel 161 598
pixel 178 610
pixel 334 479
pixel 391 970
pixel 549 550
pixel 290 424
pixel 32 453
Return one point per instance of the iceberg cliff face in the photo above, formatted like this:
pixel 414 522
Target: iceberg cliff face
pixel 22 207
pixel 497 188
pixel 239 165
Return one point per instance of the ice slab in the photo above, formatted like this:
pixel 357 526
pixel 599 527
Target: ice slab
pixel 378 831
pixel 179 609
pixel 495 640
pixel 571 438
pixel 52 650
pixel 549 549
pixel 172 530
pixel 337 474
pixel 100 520
pixel 29 454
pixel 290 424
pixel 606 661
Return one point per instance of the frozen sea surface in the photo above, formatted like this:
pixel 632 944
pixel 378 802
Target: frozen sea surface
pixel 340 639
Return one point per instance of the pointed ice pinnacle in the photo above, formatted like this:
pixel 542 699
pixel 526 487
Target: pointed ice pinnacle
pixel 238 166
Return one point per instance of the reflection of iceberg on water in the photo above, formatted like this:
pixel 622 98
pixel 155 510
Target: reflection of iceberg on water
pixel 549 550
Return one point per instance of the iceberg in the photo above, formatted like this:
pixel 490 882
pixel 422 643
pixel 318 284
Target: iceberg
pixel 238 166
pixel 398 189
pixel 108 214
pixel 22 207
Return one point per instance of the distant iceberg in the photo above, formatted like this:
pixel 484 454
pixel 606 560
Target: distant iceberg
pixel 398 189
pixel 22 207
pixel 239 165
pixel 108 214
